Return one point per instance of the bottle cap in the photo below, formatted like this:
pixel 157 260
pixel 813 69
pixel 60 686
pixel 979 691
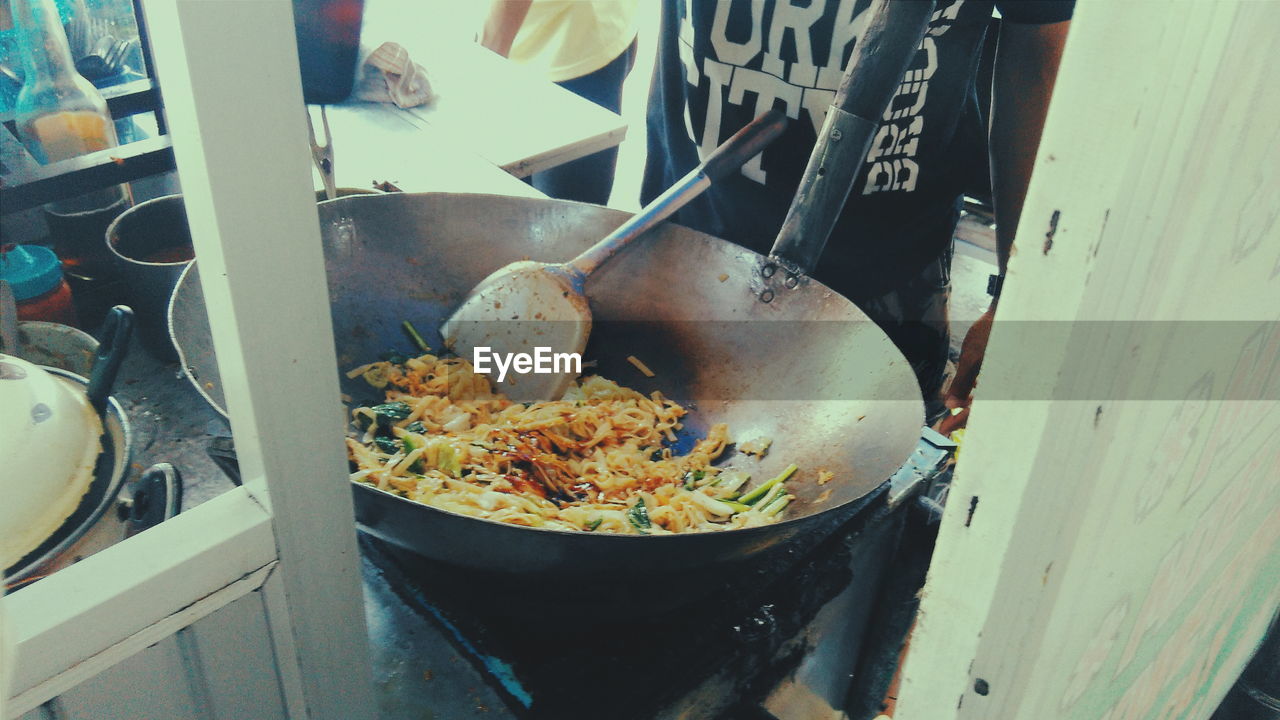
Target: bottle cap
pixel 31 270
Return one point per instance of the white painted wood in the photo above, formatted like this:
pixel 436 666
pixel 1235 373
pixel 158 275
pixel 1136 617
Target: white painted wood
pixel 229 655
pixel 234 104
pixel 379 143
pixel 75 623
pixel 212 669
pixel 148 684
pixel 1116 558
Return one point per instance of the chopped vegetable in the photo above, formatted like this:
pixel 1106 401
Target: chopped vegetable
pixel 731 481
pixel 389 414
pixel 594 524
pixel 387 445
pixel 416 427
pixel 412 332
pixel 776 505
pixel 691 478
pixel 409 446
pixel 719 508
pixel 447 459
pixel 376 376
pixel 751 497
pixel 639 517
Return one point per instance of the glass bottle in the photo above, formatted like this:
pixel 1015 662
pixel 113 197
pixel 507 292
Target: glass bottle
pixel 59 114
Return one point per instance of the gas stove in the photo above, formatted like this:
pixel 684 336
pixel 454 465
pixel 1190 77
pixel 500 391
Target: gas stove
pixel 813 634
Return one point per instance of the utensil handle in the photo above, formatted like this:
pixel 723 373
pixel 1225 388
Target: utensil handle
pixel 157 496
pixel 113 344
pixel 724 160
pixel 875 70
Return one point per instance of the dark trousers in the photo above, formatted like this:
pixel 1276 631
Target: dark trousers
pixel 590 179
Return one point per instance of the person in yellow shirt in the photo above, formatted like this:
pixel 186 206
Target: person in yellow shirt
pixel 584 46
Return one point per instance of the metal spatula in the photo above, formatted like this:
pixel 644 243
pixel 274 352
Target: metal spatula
pixel 529 305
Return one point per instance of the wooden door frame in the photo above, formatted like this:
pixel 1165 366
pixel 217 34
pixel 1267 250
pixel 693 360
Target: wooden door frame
pixel 234 107
pixel 1109 546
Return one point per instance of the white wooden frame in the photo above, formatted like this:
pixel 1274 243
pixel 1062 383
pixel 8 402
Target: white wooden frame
pixel 1117 558
pixel 234 104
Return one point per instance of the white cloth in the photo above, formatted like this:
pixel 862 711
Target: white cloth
pixel 388 74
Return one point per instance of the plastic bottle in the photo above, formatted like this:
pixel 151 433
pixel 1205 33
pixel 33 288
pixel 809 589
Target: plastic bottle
pixel 60 115
pixel 35 275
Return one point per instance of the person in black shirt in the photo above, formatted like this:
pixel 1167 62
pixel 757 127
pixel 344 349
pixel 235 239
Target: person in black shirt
pixel 723 62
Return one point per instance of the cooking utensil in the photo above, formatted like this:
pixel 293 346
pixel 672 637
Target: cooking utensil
pixel 531 304
pixel 56 345
pixel 156 496
pixel 807 369
pixel 112 461
pixel 49 437
pixel 322 155
pixel 93 65
pixel 109 471
pixel 113 344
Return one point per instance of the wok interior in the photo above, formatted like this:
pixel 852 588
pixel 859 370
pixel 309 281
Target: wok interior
pixel 807 370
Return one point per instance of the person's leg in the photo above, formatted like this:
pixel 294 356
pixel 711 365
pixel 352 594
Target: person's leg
pixel 914 316
pixel 590 179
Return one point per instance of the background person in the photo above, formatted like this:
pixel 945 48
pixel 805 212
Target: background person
pixel 584 46
pixel 721 63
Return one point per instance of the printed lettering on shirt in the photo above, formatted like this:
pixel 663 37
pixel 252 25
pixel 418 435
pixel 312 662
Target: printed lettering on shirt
pixel 747 67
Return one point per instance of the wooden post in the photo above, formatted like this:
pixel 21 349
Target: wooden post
pixel 1109 549
pixel 235 109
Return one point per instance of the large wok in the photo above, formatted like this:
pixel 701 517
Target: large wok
pixel 743 339
pixel 807 369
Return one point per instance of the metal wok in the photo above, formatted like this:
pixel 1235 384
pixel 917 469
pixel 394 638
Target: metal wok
pixel 742 339
pixel 807 369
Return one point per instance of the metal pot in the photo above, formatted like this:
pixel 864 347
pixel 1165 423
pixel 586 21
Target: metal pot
pixel 107 476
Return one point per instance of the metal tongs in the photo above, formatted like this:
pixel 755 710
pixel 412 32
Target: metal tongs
pixel 322 155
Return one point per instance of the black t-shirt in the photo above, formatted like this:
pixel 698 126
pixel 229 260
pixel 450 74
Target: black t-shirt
pixel 723 62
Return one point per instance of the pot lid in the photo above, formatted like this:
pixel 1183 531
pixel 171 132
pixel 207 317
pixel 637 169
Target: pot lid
pixel 50 442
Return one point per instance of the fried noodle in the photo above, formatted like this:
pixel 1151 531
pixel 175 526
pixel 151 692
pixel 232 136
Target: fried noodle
pixel 595 460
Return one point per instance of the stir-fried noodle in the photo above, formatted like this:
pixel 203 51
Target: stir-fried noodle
pixel 595 460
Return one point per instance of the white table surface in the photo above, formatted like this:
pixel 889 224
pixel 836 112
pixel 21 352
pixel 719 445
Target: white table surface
pixel 486 107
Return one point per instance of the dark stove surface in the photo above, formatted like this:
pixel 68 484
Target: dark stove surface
pixel 717 651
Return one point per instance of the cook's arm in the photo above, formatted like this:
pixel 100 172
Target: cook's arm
pixel 504 21
pixel 1025 68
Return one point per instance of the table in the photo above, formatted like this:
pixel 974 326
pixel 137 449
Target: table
pixel 495 108
pixel 485 107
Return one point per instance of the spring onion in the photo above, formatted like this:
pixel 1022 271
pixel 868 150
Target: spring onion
pixel 639 517
pixel 412 332
pixel 775 506
pixel 751 497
